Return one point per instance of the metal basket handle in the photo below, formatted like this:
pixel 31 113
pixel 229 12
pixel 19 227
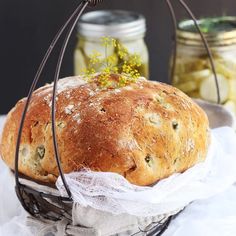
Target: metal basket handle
pixel 22 190
pixel 30 198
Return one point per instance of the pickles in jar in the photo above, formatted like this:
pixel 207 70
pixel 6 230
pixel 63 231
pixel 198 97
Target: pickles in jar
pixel 85 50
pixel 208 89
pixel 200 82
pixel 193 72
pixel 127 28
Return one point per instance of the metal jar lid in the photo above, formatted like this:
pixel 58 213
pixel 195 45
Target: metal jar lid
pixel 116 24
pixel 219 31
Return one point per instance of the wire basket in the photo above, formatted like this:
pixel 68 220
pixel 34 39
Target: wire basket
pixel 50 205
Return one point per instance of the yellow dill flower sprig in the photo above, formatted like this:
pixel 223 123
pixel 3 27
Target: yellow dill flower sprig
pixel 94 58
pixel 120 62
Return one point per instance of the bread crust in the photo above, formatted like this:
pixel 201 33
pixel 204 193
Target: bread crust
pixel 145 131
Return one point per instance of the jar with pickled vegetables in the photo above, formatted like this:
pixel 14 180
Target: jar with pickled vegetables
pixel 193 73
pixel 127 28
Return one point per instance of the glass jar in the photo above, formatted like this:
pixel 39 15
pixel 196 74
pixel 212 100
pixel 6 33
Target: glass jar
pixel 193 74
pixel 128 28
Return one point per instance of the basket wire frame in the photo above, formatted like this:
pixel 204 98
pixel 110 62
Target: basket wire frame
pixel 55 207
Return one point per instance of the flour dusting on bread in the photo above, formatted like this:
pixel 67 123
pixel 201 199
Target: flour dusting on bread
pixel 145 131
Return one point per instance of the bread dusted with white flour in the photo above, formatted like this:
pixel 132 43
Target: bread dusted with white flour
pixel 145 131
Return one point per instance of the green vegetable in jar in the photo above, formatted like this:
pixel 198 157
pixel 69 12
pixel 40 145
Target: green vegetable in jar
pixel 193 73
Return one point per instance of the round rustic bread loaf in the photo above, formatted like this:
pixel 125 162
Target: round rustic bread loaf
pixel 145 131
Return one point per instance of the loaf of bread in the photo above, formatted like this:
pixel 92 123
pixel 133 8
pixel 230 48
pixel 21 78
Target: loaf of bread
pixel 144 131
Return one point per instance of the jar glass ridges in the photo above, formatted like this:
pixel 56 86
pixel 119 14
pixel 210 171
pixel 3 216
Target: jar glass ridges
pixel 193 74
pixel 128 28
